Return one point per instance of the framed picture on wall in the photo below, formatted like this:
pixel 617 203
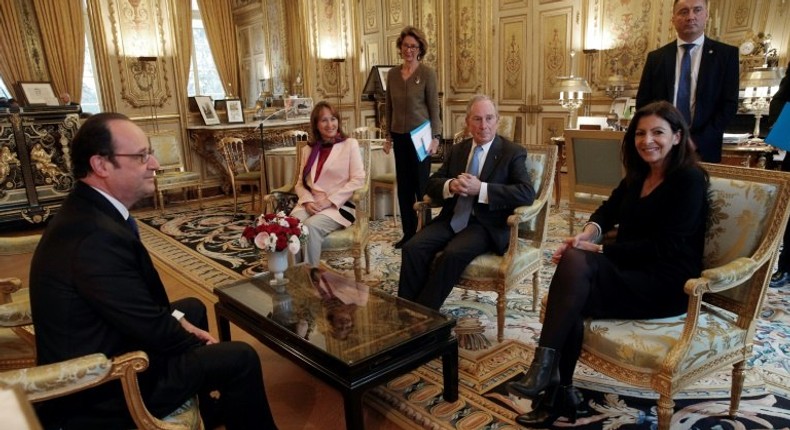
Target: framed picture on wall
pixel 235 112
pixel 207 111
pixel 39 93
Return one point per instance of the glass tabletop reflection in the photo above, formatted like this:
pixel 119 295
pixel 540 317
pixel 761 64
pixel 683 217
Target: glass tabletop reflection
pixel 336 314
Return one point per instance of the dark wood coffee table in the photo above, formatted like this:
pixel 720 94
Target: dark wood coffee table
pixel 350 337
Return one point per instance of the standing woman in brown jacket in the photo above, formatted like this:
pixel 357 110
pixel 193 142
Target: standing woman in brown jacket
pixel 412 99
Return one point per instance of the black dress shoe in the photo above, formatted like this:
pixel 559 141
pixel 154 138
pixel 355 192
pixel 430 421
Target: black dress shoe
pixel 399 244
pixel 542 373
pixel 563 401
pixel 779 279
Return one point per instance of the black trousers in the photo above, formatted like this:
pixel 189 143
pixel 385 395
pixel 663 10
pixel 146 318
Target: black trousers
pixel 231 368
pixel 427 283
pixel 412 178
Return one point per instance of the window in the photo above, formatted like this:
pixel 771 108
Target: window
pixel 203 77
pixel 90 100
pixel 4 90
pixel 90 91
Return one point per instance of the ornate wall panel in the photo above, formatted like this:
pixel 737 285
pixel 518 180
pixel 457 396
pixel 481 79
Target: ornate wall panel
pixel 370 13
pixel 137 29
pixel 32 38
pixel 276 24
pixel 466 43
pixel 427 20
pixel 625 38
pixel 512 40
pixel 371 58
pixel 513 5
pixel 739 14
pixel 396 14
pixel 554 43
pixel 330 20
pixel 393 55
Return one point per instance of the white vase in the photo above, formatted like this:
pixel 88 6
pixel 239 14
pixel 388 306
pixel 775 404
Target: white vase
pixel 277 263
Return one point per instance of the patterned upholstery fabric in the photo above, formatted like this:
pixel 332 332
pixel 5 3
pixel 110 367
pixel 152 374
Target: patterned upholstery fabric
pixel 15 314
pixel 736 225
pixel 167 179
pixel 63 378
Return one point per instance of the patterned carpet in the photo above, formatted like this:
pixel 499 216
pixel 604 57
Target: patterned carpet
pixel 200 248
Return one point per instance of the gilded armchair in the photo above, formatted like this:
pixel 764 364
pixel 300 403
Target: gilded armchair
pixel 172 174
pixel 352 240
pixel 234 158
pixel 17 342
pixel 384 181
pixel 46 382
pixel 748 215
pixel 528 226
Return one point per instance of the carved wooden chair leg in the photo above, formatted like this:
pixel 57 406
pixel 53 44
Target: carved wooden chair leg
pixel 737 387
pixel 666 407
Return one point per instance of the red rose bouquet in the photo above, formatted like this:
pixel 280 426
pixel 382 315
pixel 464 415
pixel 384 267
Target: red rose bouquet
pixel 275 232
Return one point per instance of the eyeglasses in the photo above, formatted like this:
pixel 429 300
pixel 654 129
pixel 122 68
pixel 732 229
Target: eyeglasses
pixel 142 156
pixel 410 47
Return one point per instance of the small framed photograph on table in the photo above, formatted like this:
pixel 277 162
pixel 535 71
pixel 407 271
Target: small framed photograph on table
pixel 39 93
pixel 207 111
pixel 235 111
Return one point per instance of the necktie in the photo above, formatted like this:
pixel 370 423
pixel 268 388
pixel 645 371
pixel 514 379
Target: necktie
pixel 133 225
pixel 463 206
pixel 684 83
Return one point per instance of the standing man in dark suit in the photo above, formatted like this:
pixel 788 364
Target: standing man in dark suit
pixel 94 288
pixel 707 93
pixel 480 182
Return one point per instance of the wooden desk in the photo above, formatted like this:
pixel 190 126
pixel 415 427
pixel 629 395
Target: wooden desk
pixel 203 140
pixel 758 155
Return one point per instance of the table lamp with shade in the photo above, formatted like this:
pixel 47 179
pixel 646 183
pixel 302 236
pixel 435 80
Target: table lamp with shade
pixel 759 85
pixel 571 91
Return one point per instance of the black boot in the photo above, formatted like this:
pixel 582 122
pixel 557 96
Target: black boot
pixel 563 401
pixel 542 373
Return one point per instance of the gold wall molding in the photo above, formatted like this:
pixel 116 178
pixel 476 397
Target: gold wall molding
pixel 138 30
pixel 32 37
pixel 466 48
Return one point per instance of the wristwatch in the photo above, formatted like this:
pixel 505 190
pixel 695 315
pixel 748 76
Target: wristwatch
pixel 437 137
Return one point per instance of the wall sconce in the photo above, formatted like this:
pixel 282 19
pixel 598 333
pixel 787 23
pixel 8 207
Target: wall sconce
pixel 759 85
pixel 571 89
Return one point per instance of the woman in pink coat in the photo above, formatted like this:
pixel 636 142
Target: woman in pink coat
pixel 331 171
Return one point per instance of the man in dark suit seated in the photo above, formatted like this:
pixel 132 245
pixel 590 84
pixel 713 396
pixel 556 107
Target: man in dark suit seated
pixel 94 288
pixel 479 184
pixel 698 75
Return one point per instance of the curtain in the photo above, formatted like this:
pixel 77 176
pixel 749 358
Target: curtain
pixel 183 34
pixel 221 35
pixel 14 66
pixel 63 38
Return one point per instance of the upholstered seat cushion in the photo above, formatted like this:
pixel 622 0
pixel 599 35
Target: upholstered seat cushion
pixel 388 178
pixel 343 238
pixel 176 178
pixel 642 345
pixel 487 266
pixel 248 176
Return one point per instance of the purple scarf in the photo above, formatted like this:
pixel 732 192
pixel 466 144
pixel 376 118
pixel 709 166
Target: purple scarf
pixel 311 159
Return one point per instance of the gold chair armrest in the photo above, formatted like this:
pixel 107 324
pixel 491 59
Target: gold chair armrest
pixel 423 208
pixel 9 286
pixel 723 277
pixel 526 213
pixel 15 314
pixel 58 379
